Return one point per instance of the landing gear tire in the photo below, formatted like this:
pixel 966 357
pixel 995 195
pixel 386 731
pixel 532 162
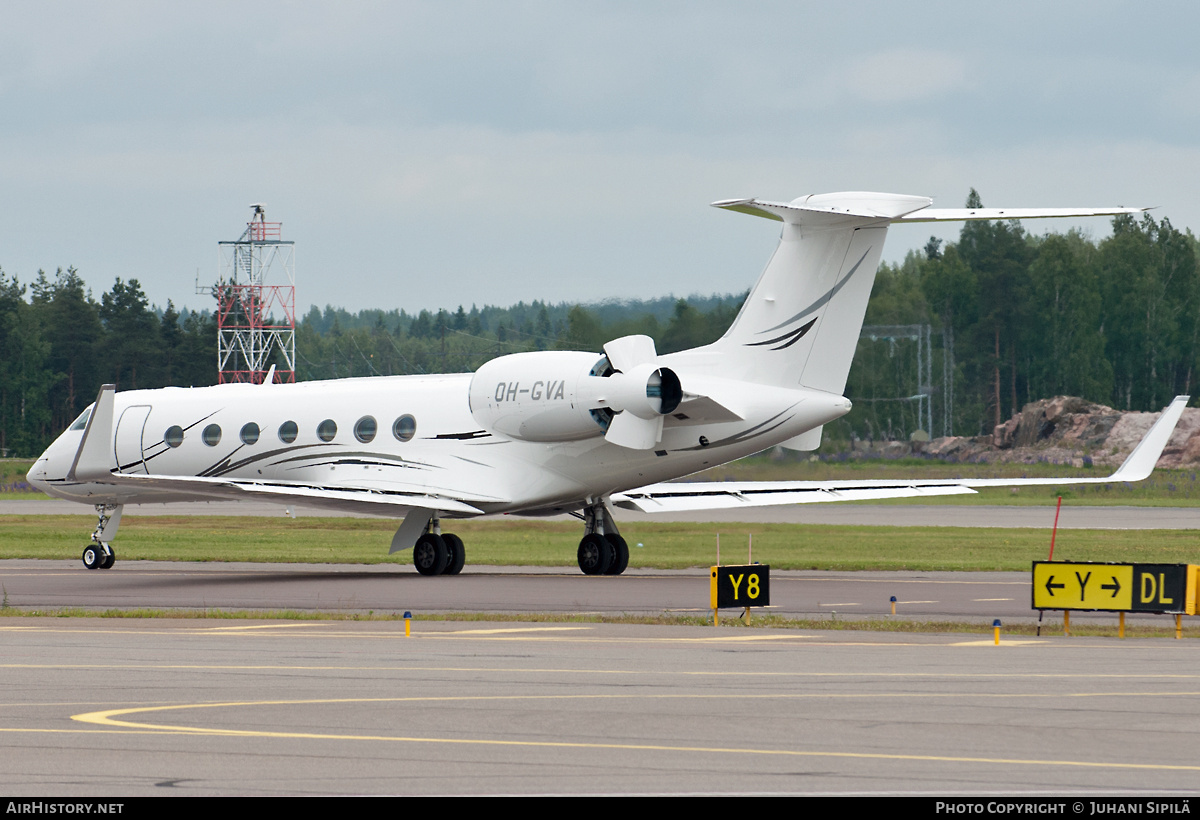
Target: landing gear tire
pixel 595 555
pixel 93 557
pixel 430 554
pixel 110 557
pixel 458 553
pixel 620 554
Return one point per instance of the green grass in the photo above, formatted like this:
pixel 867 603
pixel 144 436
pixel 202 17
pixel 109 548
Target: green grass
pixel 12 479
pixel 514 542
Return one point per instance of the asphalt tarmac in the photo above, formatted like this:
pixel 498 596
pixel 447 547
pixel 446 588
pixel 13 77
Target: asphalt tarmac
pixel 110 707
pixel 210 707
pixel 356 588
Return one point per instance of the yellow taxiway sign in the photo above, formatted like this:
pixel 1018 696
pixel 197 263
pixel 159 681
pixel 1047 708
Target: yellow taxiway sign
pixel 1114 587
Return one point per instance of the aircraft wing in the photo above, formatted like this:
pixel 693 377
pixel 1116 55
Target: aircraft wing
pixel 715 495
pixel 372 501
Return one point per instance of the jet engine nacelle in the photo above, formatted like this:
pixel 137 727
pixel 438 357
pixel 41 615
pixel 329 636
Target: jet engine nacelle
pixel 647 391
pixel 566 396
pixel 536 396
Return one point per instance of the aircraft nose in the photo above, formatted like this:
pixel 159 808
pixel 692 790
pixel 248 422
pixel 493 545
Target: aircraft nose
pixel 38 474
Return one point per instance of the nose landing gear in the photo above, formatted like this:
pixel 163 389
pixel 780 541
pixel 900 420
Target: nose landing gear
pixel 100 554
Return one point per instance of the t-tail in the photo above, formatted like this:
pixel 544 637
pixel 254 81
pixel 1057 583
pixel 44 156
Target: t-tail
pixel 801 322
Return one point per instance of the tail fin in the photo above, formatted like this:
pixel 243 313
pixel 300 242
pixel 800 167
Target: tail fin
pixel 800 323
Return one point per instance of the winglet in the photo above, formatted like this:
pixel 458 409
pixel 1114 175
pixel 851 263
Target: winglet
pixel 1141 461
pixel 92 458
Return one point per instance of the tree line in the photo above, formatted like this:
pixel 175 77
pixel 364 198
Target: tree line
pixel 1025 317
pixel 59 344
pixel 1017 317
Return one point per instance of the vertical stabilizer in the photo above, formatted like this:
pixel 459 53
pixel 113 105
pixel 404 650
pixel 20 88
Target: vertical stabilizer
pixel 799 326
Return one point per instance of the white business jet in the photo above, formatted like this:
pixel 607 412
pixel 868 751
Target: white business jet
pixel 541 433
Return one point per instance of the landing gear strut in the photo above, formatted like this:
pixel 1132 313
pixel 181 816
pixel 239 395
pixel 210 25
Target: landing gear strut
pixel 100 554
pixel 438 553
pixel 602 551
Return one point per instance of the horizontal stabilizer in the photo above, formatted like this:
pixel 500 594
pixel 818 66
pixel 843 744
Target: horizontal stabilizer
pixel 826 209
pixel 822 209
pixel 970 214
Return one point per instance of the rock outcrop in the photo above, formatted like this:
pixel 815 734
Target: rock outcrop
pixel 1070 430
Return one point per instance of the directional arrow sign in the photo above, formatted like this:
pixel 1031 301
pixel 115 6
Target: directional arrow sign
pixel 1114 587
pixel 1082 586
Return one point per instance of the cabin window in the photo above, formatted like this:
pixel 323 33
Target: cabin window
pixel 326 430
pixel 404 428
pixel 211 435
pixel 365 429
pixel 288 431
pixel 174 436
pixel 249 434
pixel 81 422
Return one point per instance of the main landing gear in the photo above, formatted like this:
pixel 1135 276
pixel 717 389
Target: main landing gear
pixel 437 552
pixel 602 551
pixel 100 554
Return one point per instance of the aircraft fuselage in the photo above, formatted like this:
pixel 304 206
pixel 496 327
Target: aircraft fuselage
pixel 407 433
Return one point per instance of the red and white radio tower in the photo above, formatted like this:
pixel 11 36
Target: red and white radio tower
pixel 256 319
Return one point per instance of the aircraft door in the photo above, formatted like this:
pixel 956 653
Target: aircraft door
pixel 128 444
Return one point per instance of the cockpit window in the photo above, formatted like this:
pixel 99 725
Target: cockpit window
pixel 81 422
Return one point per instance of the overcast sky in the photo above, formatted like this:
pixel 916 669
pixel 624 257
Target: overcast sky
pixel 427 155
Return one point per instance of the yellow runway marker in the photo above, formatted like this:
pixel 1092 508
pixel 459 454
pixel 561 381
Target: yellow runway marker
pixel 751 638
pixel 502 631
pixel 261 626
pixel 108 719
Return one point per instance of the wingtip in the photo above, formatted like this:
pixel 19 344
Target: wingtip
pixel 1145 455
